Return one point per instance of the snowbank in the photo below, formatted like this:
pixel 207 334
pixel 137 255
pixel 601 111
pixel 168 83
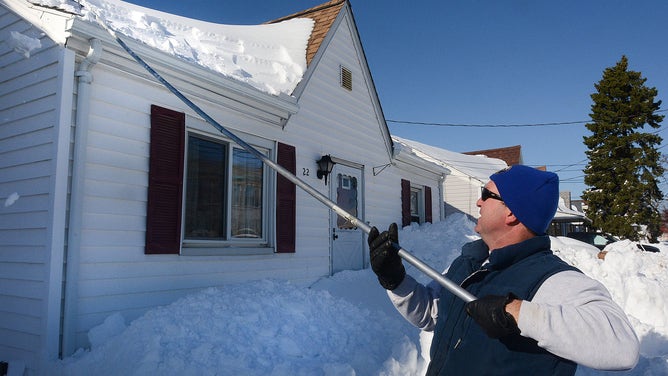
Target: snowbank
pixel 345 325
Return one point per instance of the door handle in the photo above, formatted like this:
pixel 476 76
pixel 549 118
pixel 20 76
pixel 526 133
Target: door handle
pixel 334 236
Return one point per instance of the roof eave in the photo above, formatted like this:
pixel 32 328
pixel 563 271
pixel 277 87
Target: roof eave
pixel 53 22
pixel 190 78
pixel 435 167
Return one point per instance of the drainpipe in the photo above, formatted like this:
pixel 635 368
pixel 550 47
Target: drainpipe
pixel 84 80
pixel 441 196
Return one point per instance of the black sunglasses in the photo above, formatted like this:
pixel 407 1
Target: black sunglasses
pixel 486 193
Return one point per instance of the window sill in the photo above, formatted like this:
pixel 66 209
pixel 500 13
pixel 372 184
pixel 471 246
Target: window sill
pixel 187 250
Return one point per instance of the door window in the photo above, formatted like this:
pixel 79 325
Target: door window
pixel 346 198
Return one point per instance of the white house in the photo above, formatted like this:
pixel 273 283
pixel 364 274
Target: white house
pixel 119 197
pixel 467 174
pixel 568 219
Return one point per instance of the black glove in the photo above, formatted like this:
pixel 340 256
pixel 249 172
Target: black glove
pixel 490 313
pixel 384 256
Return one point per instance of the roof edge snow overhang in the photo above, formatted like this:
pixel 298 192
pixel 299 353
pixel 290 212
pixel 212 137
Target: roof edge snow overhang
pixel 401 147
pixel 435 168
pixel 190 78
pixel 74 33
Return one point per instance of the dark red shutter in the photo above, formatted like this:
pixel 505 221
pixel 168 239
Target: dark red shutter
pixel 405 202
pixel 286 201
pixel 427 204
pixel 165 181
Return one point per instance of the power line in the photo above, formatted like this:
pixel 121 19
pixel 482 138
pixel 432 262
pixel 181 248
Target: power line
pixel 484 125
pixel 440 124
pixel 569 170
pixel 573 179
pixel 571 165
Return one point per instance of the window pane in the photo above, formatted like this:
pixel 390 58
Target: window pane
pixel 205 190
pixel 416 197
pixel 346 198
pixel 247 178
pixel 415 203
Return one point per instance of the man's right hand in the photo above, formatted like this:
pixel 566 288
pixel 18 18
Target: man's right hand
pixel 490 313
pixel 384 256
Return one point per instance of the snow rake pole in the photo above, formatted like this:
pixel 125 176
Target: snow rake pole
pixel 451 286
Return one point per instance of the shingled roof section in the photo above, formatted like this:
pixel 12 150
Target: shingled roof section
pixel 512 155
pixel 324 16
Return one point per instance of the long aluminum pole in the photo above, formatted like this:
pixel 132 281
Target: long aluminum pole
pixel 451 286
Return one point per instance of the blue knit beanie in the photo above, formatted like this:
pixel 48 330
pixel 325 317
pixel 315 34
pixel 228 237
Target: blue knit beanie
pixel 532 195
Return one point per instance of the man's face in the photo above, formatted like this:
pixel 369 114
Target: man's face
pixel 493 212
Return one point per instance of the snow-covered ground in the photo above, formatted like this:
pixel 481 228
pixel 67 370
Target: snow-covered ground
pixel 344 325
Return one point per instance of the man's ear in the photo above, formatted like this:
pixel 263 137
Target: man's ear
pixel 511 220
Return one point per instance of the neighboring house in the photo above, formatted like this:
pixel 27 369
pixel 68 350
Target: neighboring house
pixel 568 220
pixel 120 198
pixel 568 217
pixel 466 174
pixel 419 195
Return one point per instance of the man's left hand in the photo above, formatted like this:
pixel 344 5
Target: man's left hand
pixel 490 313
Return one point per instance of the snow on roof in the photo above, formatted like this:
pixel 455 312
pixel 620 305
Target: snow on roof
pixel 477 166
pixel 564 213
pixel 269 57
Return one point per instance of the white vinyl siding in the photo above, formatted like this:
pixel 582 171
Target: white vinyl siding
pixel 114 274
pixel 461 194
pixel 36 94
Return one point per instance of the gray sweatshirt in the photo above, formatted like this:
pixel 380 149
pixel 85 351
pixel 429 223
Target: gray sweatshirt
pixel 571 315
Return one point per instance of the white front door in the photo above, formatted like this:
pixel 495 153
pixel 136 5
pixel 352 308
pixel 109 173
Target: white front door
pixel 347 240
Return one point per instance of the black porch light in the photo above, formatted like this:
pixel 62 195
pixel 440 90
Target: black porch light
pixel 325 165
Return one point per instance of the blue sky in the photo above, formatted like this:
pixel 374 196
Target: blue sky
pixel 486 62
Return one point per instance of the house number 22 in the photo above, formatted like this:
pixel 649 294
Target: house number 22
pixel 306 172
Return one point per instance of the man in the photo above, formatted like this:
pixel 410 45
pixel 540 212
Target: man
pixel 534 314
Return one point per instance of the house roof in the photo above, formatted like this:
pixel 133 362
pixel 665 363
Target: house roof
pixel 512 155
pixel 479 167
pixel 257 63
pixel 324 16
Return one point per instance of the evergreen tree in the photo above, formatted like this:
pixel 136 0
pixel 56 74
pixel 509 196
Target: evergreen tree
pixel 624 163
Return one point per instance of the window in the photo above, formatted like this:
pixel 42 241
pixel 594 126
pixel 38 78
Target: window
pixel 207 196
pixel 346 199
pixel 247 188
pixel 224 192
pixel 416 205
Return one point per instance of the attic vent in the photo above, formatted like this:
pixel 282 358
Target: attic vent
pixel 346 78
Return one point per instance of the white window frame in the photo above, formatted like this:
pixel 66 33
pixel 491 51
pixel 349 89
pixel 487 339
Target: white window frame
pixel 419 191
pixel 234 246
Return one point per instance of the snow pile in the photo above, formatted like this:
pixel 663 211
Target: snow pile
pixel 637 281
pixel 344 325
pixel 269 57
pixel 259 328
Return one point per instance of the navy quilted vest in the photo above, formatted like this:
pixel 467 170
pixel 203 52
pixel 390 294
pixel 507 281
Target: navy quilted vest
pixel 460 347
